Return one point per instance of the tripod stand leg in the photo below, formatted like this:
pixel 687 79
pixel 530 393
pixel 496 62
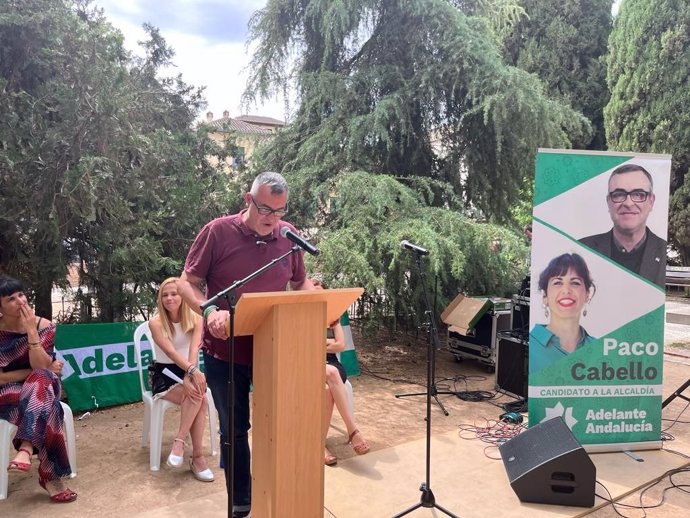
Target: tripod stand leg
pixel 408 510
pixel 433 393
pixel 677 393
pixel 446 511
pixel 427 501
pixel 411 394
pixel 445 412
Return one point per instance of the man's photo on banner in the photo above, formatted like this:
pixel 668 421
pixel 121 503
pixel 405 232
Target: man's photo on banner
pixel 630 199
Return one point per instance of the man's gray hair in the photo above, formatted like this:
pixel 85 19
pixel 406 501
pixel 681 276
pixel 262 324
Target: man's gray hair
pixel 633 168
pixel 275 181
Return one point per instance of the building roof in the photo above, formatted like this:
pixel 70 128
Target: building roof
pixel 258 119
pixel 239 126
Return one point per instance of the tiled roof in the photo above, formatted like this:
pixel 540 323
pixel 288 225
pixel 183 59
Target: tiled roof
pixel 239 126
pixel 258 119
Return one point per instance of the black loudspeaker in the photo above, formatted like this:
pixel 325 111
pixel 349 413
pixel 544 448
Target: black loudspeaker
pixel 512 364
pixel 546 465
pixel 520 313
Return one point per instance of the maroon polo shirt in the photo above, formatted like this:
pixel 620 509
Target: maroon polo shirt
pixel 226 250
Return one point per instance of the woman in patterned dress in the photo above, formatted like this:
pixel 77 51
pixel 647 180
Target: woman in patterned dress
pixel 30 391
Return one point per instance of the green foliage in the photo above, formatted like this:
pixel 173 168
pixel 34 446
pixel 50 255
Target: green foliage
pixel 649 79
pixel 409 127
pixel 564 42
pixel 367 215
pixel 412 88
pixel 99 164
pixel 501 15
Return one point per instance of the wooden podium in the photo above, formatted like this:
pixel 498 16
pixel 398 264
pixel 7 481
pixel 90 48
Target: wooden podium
pixel 289 331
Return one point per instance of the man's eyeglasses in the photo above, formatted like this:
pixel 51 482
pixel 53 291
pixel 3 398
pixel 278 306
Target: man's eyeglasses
pixel 267 211
pixel 619 195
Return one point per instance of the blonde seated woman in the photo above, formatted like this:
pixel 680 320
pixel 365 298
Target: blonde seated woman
pixel 176 333
pixel 336 394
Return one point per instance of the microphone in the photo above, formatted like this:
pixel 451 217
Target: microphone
pixel 414 248
pixel 299 241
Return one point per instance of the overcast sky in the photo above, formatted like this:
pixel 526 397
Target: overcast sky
pixel 209 39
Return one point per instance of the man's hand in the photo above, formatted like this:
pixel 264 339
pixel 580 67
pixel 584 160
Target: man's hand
pixel 217 323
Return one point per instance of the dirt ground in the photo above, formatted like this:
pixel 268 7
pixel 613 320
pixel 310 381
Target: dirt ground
pixel 114 479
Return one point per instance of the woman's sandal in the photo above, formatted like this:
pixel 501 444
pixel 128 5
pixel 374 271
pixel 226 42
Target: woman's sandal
pixel 16 465
pixel 204 475
pixel 361 448
pixel 176 461
pixel 63 497
pixel 329 459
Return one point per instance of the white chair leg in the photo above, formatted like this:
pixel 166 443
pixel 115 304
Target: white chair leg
pixel 6 432
pixel 155 438
pixel 212 423
pixel 146 429
pixel 350 396
pixel 70 438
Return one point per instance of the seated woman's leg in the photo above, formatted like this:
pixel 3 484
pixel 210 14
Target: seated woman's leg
pixel 9 400
pixel 190 408
pixel 337 389
pixel 198 427
pixel 327 409
pixel 329 458
pixel 200 465
pixel 41 424
pixel 22 461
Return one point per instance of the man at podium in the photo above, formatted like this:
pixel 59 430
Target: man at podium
pixel 225 250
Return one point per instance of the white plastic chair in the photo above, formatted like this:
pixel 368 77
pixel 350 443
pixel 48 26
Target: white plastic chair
pixel 350 396
pixel 7 431
pixel 154 409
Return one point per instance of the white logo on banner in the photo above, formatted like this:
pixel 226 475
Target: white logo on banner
pixel 559 411
pixel 102 360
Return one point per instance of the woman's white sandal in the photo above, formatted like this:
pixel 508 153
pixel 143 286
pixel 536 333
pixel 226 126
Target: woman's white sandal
pixel 176 461
pixel 205 475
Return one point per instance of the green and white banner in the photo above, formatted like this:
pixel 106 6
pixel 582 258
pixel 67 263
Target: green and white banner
pixel 100 364
pixel 348 357
pixel 597 295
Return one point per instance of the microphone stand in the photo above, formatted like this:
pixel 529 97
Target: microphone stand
pixel 427 499
pixel 432 390
pixel 229 295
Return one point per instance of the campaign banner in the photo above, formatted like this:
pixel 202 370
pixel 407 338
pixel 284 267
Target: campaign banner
pixel 100 367
pixel 597 295
pixel 348 357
